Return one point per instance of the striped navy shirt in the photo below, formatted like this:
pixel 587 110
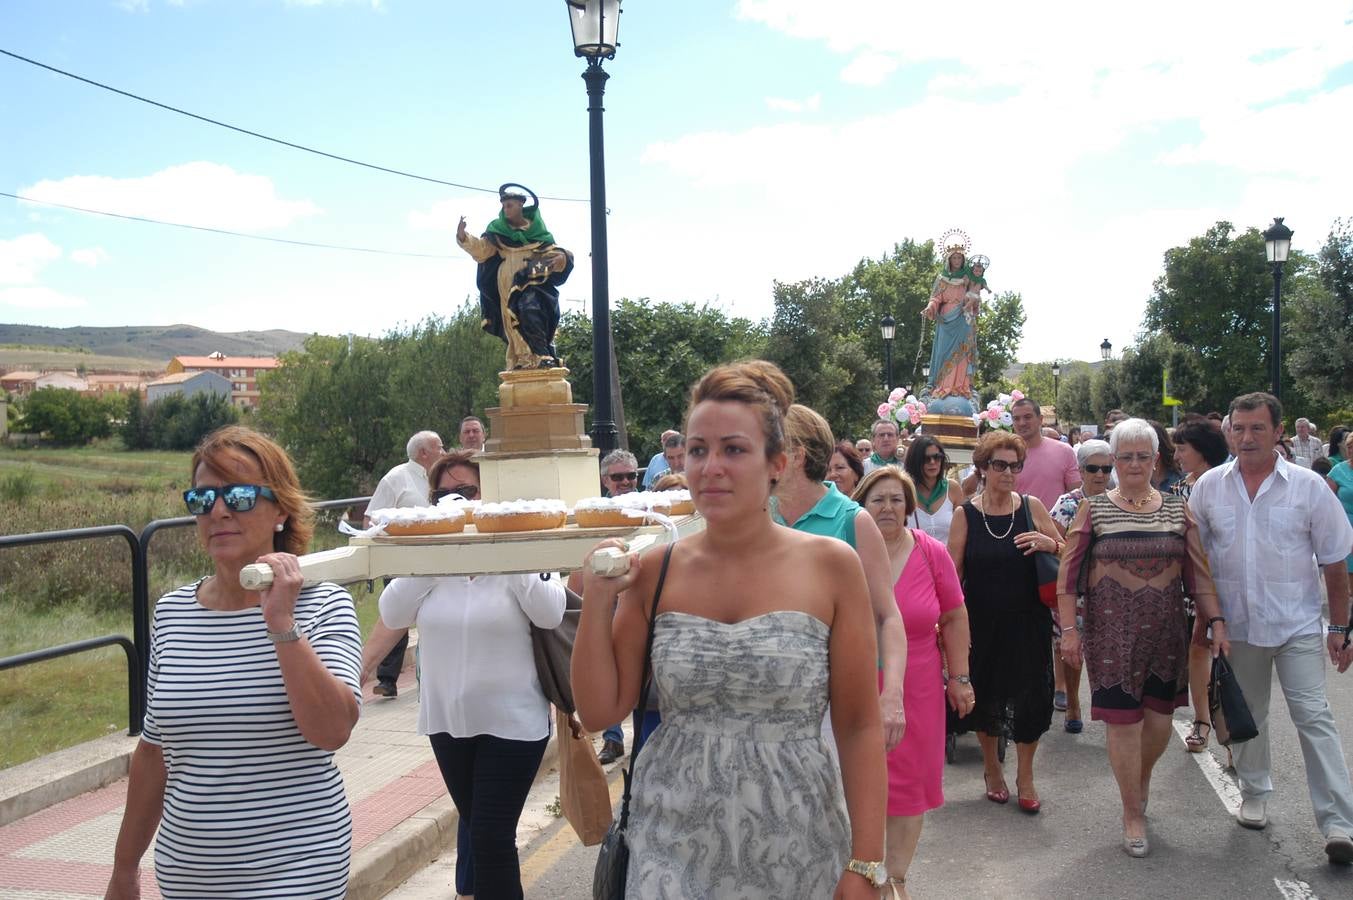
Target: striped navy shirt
pixel 251 809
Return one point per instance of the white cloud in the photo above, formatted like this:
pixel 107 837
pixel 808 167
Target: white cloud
pixel 21 258
pixel 784 104
pixel 196 193
pixel 375 4
pixel 90 256
pixel 38 297
pixel 134 6
pixel 869 69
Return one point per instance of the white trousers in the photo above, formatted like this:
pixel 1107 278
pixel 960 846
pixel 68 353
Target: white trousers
pixel 1301 673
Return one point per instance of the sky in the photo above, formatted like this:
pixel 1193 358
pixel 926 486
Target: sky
pixel 747 141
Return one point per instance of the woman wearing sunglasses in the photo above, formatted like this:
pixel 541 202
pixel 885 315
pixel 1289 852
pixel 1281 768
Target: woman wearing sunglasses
pixel 249 695
pixel 936 496
pixel 1134 554
pixel 1011 657
pixel 479 698
pixel 1096 465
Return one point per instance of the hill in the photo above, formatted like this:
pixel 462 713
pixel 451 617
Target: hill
pixel 132 346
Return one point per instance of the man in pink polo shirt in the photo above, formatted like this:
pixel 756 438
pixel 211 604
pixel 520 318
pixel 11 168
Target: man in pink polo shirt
pixel 1050 470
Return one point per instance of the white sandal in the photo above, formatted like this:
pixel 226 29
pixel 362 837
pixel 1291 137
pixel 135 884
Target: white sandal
pixel 893 882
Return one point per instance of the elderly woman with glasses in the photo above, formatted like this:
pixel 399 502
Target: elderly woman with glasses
pixel 992 545
pixel 1134 553
pixel 1095 461
pixel 248 697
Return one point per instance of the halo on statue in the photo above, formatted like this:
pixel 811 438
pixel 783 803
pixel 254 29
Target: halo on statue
pixel 980 259
pixel 504 193
pixel 955 240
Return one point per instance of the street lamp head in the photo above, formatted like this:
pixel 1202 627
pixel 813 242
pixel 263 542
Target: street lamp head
pixel 1056 370
pixel 925 370
pixel 1277 241
pixel 888 327
pixel 1105 349
pixel 596 24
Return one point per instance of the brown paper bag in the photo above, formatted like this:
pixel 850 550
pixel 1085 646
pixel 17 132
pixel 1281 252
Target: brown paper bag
pixel 584 794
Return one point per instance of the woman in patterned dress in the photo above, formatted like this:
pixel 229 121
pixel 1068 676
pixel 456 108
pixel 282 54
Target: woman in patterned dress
pixel 249 696
pixel 1134 553
pixel 756 627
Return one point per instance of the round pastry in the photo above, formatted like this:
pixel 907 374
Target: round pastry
pixel 419 520
pixel 681 502
pixel 520 515
pixel 608 512
pixel 467 507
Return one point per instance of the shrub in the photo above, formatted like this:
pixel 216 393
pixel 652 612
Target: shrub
pixel 17 488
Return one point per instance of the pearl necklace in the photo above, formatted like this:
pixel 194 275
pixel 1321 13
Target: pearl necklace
pixel 999 537
pixel 1138 505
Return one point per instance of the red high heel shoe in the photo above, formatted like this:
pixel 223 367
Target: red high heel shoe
pixel 1001 796
pixel 1029 805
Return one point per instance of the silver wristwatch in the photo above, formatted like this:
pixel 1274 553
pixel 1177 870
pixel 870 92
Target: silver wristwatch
pixel 285 637
pixel 962 679
pixel 876 872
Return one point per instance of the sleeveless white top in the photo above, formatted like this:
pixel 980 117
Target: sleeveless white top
pixel 935 524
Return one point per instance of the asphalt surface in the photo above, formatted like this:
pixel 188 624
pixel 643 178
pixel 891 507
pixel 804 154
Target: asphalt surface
pixel 974 848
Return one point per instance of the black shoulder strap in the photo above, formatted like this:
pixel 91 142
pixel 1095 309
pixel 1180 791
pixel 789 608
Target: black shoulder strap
pixel 646 684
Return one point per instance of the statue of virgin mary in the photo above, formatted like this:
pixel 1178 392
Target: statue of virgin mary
pixel 955 300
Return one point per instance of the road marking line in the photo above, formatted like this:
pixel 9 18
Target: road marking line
pixel 1295 890
pixel 1229 793
pixel 1226 788
pixel 543 858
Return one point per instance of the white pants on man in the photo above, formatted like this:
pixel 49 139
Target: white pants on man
pixel 1301 673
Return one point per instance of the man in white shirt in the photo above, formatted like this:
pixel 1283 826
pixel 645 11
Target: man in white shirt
pixel 403 486
pixel 1306 447
pixel 1266 524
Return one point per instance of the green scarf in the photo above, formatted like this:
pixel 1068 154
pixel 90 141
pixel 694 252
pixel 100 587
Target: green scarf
pixel 880 461
pixel 941 488
pixel 534 233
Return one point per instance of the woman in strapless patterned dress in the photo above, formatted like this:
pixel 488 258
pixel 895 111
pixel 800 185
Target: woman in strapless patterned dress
pixel 756 629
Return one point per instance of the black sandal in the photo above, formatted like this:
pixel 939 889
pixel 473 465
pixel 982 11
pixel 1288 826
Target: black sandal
pixel 1196 741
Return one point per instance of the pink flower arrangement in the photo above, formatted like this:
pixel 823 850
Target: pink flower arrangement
pixel 902 408
pixel 997 415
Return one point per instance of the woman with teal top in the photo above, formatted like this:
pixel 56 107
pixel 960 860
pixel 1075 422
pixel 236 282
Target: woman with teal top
pixel 805 501
pixel 1338 445
pixel 936 496
pixel 1340 480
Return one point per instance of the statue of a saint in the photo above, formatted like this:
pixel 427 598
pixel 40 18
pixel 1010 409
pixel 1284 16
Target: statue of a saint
pixel 954 303
pixel 520 270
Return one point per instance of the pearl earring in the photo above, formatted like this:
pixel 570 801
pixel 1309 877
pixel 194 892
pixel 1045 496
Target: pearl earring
pixel 279 526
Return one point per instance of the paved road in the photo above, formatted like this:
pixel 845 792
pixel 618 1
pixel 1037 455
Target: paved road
pixel 973 848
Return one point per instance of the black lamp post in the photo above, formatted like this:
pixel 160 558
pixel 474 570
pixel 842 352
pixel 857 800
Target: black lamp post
pixel 888 328
pixel 1277 242
pixel 595 24
pixel 1105 350
pixel 1056 377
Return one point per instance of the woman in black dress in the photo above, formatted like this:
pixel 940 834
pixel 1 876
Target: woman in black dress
pixel 992 544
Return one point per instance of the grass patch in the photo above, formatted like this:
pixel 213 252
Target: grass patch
pixel 58 593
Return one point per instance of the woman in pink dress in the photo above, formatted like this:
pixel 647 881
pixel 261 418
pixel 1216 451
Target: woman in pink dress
pixel 929 597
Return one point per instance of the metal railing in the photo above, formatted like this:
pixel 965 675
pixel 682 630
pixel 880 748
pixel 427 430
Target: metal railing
pixel 137 647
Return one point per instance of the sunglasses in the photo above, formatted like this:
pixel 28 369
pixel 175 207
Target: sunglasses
pixel 1001 465
pixel 1098 470
pixel 621 477
pixel 237 497
pixel 934 457
pixel 468 491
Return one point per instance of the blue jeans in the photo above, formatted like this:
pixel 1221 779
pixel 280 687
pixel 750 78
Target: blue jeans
pixel 614 734
pixel 489 778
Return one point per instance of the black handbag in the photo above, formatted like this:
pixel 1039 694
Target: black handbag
pixel 613 858
pixel 1232 722
pixel 1047 566
pixel 553 652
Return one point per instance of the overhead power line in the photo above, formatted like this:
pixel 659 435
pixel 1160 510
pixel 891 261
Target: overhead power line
pixel 261 136
pixel 238 234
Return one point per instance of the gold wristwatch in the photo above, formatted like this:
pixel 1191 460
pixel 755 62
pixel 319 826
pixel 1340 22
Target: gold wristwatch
pixel 876 872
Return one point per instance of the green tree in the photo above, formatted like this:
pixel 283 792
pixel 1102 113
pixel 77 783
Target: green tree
pixel 1106 389
pixel 1215 297
pixel 1075 404
pixel 1141 376
pixel 135 423
pixel 66 417
pixel 999 329
pixel 661 350
pixel 897 284
pixel 1318 345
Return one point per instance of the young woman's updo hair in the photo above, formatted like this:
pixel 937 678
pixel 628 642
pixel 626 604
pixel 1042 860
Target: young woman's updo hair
pixel 808 431
pixel 757 383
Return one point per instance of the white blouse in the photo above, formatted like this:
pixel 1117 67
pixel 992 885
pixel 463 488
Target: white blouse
pixel 935 524
pixel 477 671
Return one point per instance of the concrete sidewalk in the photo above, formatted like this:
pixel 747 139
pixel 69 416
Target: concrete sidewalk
pixel 402 816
